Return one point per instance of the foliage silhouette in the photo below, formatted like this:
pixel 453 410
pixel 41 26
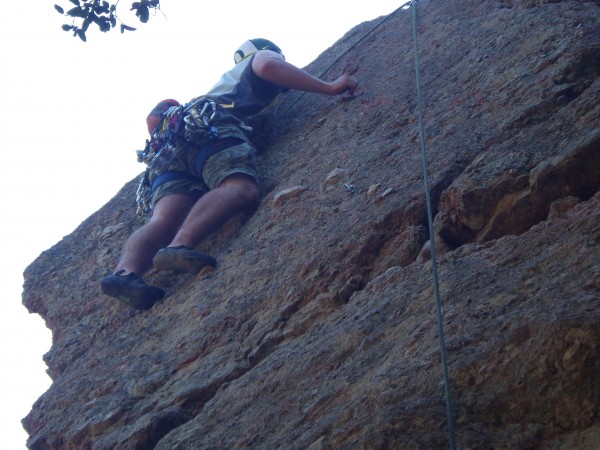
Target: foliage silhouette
pixel 102 14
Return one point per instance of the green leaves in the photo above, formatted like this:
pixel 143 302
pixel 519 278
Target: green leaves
pixel 103 15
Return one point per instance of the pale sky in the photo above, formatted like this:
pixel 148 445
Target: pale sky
pixel 73 114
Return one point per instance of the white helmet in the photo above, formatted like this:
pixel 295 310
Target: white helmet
pixel 252 46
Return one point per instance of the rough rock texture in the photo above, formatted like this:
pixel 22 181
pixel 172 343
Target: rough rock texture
pixel 317 330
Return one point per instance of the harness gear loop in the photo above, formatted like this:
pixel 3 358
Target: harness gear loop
pixel 143 195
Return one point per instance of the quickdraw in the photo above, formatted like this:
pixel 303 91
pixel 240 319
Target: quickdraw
pixel 160 149
pixel 143 195
pixel 201 113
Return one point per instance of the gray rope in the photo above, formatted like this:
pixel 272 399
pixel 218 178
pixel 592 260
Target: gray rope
pixel 438 307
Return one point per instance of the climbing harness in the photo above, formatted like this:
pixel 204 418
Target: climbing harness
pixel 438 307
pixel 196 119
pixel 193 121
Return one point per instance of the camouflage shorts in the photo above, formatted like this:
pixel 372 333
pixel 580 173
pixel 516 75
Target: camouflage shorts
pixel 235 159
pixel 238 158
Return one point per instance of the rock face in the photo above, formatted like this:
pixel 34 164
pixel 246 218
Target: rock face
pixel 318 328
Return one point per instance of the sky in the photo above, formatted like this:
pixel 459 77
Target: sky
pixel 73 114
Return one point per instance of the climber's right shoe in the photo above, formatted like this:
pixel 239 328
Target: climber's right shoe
pixel 131 289
pixel 182 259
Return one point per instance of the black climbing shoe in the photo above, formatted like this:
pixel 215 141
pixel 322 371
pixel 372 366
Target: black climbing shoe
pixel 183 259
pixel 132 290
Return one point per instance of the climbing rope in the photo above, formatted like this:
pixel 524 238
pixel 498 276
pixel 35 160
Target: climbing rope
pixel 436 289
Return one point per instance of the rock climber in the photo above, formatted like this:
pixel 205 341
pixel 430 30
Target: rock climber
pixel 201 167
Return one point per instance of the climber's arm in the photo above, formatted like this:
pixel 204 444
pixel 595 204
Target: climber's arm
pixel 272 67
